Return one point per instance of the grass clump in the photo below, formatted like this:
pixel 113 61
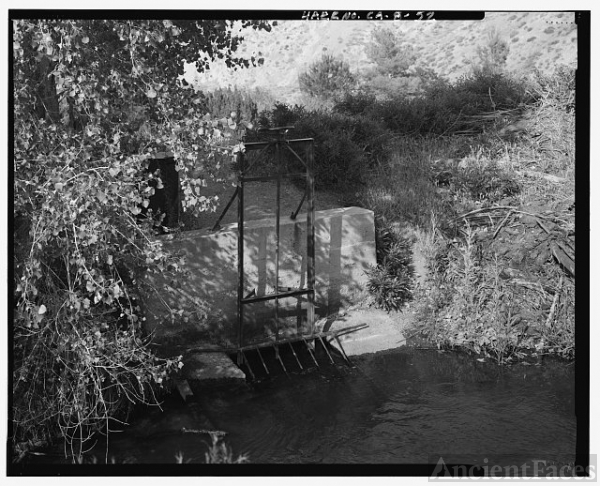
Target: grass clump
pixel 391 281
pixel 479 303
pixel 218 452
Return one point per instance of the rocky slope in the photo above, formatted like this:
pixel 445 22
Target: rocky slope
pixel 539 40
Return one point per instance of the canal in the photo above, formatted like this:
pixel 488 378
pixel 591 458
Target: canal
pixel 404 406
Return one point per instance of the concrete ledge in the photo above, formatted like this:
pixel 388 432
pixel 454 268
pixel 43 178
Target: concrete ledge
pixel 211 366
pixel 385 331
pixel 205 298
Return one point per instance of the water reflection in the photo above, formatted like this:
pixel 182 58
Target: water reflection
pixel 403 406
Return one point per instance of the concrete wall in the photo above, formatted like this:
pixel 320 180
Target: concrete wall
pixel 207 294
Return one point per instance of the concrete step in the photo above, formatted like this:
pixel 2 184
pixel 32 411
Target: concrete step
pixel 211 366
pixel 384 331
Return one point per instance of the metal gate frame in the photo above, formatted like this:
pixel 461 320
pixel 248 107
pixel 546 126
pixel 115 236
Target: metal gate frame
pixel 276 138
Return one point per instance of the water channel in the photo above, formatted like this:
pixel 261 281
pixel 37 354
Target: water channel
pixel 404 406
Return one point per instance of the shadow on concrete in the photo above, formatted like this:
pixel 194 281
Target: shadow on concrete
pixel 201 303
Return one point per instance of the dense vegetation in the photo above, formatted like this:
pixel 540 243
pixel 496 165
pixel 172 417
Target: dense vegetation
pixel 94 101
pixel 478 174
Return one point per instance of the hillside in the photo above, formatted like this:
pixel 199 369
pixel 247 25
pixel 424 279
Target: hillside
pixel 539 40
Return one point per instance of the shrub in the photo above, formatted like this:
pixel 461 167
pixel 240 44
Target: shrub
pixel 361 103
pixel 222 102
pixel 493 55
pixel 442 108
pixel 391 282
pixel 391 55
pixel 327 78
pixel 475 305
pixel 395 72
pixel 485 182
pixel 506 92
pixel 557 89
pixel 80 357
pixel 85 126
pixel 282 115
pixel 388 291
pixel 339 160
pixel 345 146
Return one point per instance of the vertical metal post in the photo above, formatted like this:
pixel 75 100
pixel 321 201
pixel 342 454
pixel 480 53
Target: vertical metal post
pixel 248 366
pixel 310 237
pixel 277 216
pixel 240 251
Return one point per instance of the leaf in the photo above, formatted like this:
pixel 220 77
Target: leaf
pixel 113 171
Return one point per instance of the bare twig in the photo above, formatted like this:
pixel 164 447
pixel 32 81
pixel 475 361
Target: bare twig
pixel 499 227
pixel 554 301
pixel 475 211
pixel 218 433
pixel 542 226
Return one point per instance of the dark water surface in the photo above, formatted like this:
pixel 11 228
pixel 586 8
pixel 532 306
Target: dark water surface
pixel 401 406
